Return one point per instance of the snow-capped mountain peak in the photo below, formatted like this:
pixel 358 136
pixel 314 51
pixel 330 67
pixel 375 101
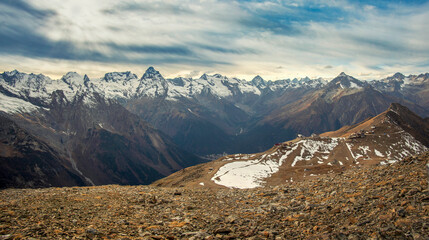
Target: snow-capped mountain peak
pixel 73 78
pixel 217 75
pixel 12 76
pixel 17 79
pixel 152 73
pixel 11 73
pixel 86 80
pixel 124 86
pixel 342 74
pixel 152 84
pixel 259 82
pixel 204 76
pixel 398 75
pixel 401 83
pixel 345 81
pixel 25 86
pixel 305 79
pixel 119 76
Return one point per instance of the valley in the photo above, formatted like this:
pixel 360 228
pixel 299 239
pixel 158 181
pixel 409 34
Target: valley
pixel 121 129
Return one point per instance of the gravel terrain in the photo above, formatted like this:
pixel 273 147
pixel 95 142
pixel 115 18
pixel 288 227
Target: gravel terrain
pixel 381 202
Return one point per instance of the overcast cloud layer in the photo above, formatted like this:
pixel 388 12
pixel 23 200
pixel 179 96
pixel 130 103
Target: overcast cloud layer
pixel 275 39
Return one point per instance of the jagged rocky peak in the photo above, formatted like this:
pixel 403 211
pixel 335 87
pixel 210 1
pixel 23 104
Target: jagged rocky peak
pixel 11 73
pixel 152 73
pixel 151 69
pixel 399 109
pixel 258 81
pixel 119 76
pixel 342 74
pixel 40 78
pixel 305 79
pixel 204 76
pixel 395 77
pixel 217 75
pixel 344 77
pixel 424 75
pixel 422 78
pixel 346 81
pixel 398 75
pixel 33 81
pixel 72 78
pixel 86 80
pixel 58 98
pixel 152 84
pixel 179 81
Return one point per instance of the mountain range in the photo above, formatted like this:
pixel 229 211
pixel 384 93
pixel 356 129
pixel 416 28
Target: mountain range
pixel 384 139
pixel 123 129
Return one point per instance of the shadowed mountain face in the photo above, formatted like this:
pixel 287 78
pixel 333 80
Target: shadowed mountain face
pixel 389 137
pixel 98 141
pixel 27 161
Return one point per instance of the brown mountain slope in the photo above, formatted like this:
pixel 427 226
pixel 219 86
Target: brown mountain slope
pixel 383 202
pixel 344 101
pixel 386 138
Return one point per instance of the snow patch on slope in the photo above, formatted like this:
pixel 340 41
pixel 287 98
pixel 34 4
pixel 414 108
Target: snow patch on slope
pixel 310 147
pixel 244 174
pixel 378 153
pixel 411 143
pixel 251 173
pixel 15 105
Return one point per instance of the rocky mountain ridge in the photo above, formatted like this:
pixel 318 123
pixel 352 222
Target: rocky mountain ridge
pixel 237 115
pixel 387 138
pixel 217 84
pixel 215 114
pixel 126 85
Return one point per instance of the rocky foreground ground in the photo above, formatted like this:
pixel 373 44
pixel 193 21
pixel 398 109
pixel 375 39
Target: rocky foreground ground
pixel 382 202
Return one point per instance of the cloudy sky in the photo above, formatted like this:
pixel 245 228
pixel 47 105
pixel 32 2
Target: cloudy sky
pixel 275 39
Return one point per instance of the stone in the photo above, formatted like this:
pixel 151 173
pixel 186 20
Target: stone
pixel 222 230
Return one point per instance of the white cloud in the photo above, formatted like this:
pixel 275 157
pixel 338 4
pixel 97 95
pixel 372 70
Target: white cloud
pixel 237 39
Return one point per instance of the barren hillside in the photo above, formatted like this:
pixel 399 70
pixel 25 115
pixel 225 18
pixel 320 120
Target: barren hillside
pixel 387 138
pixel 383 202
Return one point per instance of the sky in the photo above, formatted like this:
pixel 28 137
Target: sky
pixel 273 39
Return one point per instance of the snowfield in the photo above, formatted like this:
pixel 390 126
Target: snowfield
pixel 310 147
pixel 251 173
pixel 244 174
pixel 16 105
